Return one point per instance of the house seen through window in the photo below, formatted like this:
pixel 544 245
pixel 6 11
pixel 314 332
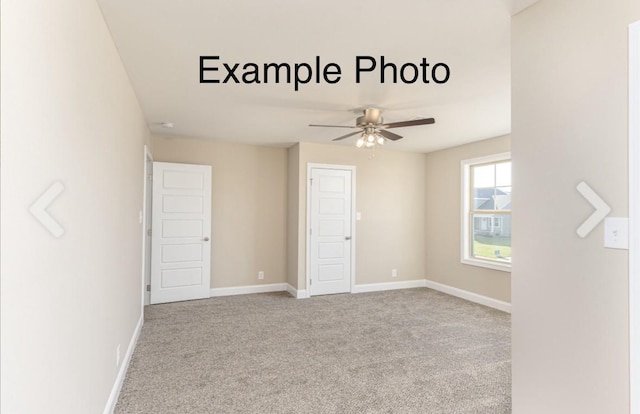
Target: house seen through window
pixel 487 212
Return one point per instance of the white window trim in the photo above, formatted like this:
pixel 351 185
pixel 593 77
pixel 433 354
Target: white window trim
pixel 465 254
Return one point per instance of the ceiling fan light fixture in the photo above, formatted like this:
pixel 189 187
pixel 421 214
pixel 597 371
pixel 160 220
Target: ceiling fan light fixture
pixel 380 140
pixel 360 142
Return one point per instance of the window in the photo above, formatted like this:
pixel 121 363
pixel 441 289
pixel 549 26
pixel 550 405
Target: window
pixel 486 212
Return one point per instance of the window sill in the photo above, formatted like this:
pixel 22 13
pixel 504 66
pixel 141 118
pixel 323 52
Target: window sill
pixel 503 267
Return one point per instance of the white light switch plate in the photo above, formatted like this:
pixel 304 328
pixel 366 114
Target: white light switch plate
pixel 358 216
pixel 616 232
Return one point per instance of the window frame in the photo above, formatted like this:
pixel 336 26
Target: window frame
pixel 466 212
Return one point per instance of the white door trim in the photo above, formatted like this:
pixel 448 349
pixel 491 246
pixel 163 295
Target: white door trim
pixel 145 202
pixel 351 168
pixel 634 217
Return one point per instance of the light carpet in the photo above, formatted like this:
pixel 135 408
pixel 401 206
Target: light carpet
pixel 404 351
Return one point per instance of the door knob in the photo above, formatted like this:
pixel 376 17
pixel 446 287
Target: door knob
pixel 347 238
pixel 206 239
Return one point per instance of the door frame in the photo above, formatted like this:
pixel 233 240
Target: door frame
pixel 634 217
pixel 352 169
pixel 146 265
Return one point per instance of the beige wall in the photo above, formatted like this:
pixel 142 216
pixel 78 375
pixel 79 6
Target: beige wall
pixel 443 222
pixel 569 295
pixel 249 207
pixel 390 194
pixel 70 115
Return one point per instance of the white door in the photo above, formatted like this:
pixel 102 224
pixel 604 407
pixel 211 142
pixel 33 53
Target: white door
pixel 181 232
pixel 330 235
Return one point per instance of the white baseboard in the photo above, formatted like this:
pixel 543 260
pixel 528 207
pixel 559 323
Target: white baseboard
pixel 245 290
pixel 377 287
pixel 368 287
pixel 273 287
pixel 117 386
pixel 297 293
pixel 470 296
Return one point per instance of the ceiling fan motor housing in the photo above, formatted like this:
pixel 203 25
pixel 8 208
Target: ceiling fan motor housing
pixel 371 116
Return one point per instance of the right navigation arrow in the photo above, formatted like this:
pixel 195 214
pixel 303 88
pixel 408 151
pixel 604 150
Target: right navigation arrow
pixel 602 209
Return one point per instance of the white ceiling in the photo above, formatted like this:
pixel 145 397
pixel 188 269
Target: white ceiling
pixel 160 42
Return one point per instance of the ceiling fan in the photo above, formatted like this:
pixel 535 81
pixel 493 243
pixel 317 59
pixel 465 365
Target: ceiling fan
pixel 373 130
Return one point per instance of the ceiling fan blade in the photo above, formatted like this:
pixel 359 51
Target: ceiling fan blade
pixel 389 135
pixel 346 136
pixel 415 122
pixel 333 126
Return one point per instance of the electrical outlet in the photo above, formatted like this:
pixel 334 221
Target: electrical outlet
pixel 261 275
pixel 118 356
pixel 394 272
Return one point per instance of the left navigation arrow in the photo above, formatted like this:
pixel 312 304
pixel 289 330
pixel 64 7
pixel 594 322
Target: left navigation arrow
pixel 39 209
